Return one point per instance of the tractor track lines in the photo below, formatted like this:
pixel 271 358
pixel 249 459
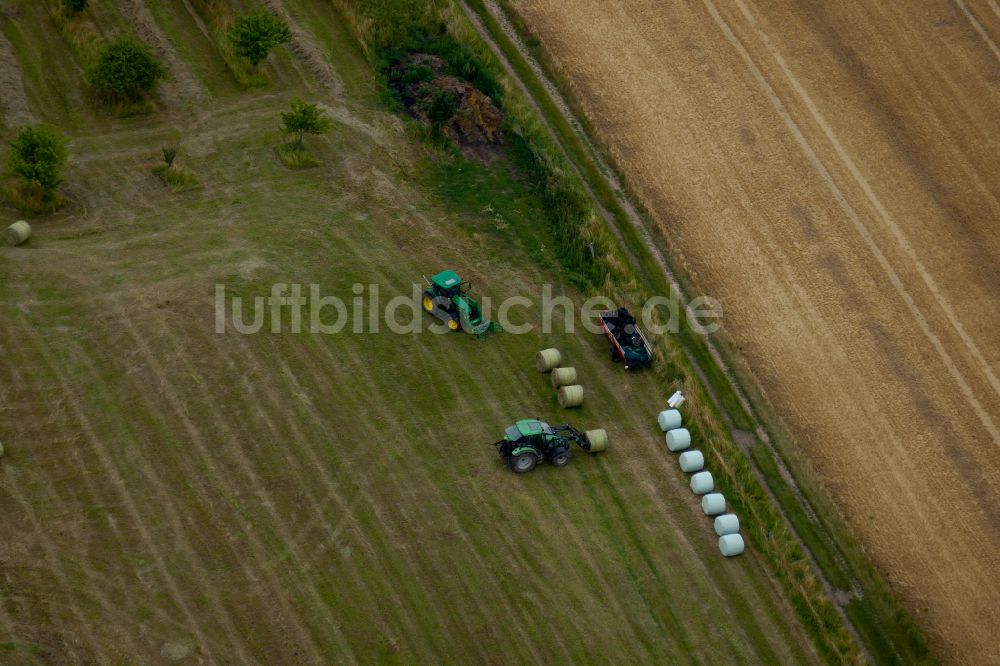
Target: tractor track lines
pixel 330 488
pixel 292 619
pixel 856 220
pixel 13 98
pixel 105 459
pixel 307 51
pixel 95 580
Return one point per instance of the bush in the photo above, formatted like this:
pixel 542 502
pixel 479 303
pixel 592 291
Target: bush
pixel 441 109
pixel 37 156
pixel 254 35
pixel 126 70
pixel 74 6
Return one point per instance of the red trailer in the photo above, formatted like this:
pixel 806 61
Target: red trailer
pixel 628 344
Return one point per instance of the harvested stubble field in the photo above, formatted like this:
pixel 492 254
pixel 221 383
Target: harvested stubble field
pixel 829 171
pixel 172 494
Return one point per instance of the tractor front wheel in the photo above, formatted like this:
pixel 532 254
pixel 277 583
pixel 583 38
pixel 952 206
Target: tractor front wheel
pixel 453 324
pixel 524 463
pixel 560 458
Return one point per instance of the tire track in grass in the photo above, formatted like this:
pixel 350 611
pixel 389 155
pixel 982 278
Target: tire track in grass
pixel 104 456
pixel 95 581
pixel 316 464
pixel 394 425
pixel 13 98
pixel 225 481
pixel 348 241
pixel 727 596
pixel 468 395
pixel 187 87
pixel 306 50
pixel 346 507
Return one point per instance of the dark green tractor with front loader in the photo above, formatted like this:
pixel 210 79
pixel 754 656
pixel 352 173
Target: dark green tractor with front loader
pixel 448 298
pixel 531 441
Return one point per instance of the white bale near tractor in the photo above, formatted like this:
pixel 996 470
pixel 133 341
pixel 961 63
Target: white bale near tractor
pixel 571 396
pixel 691 461
pixel 678 439
pixel 702 483
pixel 731 544
pixel 727 524
pixel 669 419
pixel 18 232
pixel 713 504
pixel 547 359
pixel 563 377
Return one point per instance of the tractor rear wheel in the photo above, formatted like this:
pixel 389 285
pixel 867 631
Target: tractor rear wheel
pixel 524 462
pixel 428 301
pixel 560 457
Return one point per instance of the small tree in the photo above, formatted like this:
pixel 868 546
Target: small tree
pixel 74 7
pixel 37 155
pixel 254 35
pixel 304 119
pixel 126 70
pixel 169 154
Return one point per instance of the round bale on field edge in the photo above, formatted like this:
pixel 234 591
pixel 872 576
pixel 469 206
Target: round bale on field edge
pixel 563 377
pixel 713 504
pixel 18 232
pixel 731 544
pixel 727 524
pixel 669 419
pixel 547 359
pixel 679 439
pixel 691 461
pixel 702 483
pixel 571 396
pixel 598 440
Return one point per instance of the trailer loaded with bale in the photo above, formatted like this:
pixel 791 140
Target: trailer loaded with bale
pixel 531 441
pixel 628 344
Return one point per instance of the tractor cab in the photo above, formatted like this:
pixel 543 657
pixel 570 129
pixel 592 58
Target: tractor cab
pixel 447 284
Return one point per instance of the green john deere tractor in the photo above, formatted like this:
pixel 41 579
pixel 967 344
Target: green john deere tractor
pixel 447 298
pixel 530 441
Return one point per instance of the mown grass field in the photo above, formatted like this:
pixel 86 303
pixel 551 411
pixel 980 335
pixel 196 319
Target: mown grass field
pixel 172 494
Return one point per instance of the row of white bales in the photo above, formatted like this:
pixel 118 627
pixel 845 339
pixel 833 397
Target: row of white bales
pixel 692 461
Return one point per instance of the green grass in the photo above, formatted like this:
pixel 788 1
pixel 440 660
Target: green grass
pixel 177 178
pixel 296 158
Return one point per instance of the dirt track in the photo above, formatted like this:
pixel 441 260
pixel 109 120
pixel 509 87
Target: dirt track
pixel 829 173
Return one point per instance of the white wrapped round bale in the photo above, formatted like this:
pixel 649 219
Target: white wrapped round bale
pixel 669 419
pixel 679 439
pixel 563 377
pixel 731 544
pixel 702 483
pixel 691 461
pixel 547 359
pixel 727 524
pixel 18 232
pixel 713 504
